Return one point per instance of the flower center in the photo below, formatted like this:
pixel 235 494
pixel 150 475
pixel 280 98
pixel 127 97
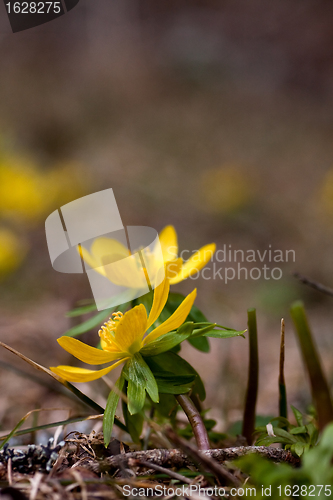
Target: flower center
pixel 107 330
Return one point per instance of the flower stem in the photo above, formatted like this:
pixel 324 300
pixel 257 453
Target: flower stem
pixel 194 417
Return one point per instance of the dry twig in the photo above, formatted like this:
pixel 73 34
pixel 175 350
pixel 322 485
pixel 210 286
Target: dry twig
pixel 177 458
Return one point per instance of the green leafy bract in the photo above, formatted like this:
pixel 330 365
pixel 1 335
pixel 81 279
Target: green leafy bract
pixel 172 362
pixel 168 383
pixel 140 379
pixel 110 409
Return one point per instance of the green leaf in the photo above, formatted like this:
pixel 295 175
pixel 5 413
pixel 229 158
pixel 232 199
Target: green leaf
pixel 110 409
pixel 282 421
pixel 299 430
pixel 200 343
pixel 313 433
pixel 298 448
pixel 174 301
pixel 267 441
pixel 222 334
pixel 96 320
pixel 140 379
pixel 284 434
pixel 167 407
pixel 218 334
pixel 281 436
pixel 195 315
pixel 145 376
pixel 172 362
pixel 168 383
pixel 136 397
pixel 134 423
pixel 167 341
pixel 90 323
pixel 298 416
pixel 176 348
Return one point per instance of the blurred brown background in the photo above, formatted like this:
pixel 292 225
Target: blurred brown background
pixel 213 116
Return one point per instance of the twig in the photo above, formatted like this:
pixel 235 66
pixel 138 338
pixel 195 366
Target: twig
pixel 314 284
pixel 9 472
pixel 198 427
pixel 158 468
pixel 177 458
pixel 203 462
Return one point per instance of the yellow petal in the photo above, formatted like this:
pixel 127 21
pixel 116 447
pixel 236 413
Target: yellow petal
pixel 126 272
pixel 90 260
pixel 88 354
pixel 169 244
pixel 161 294
pixel 73 374
pixel 173 267
pixel 177 319
pixel 131 328
pixel 198 260
pixel 108 248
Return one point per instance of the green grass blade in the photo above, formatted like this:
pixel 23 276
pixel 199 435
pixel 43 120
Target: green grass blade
pixel 283 408
pixel 90 323
pixel 110 409
pixel 319 386
pixel 21 422
pixel 253 377
pixel 80 311
pixel 30 430
pixel 85 399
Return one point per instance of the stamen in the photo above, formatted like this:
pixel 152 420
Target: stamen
pixel 107 330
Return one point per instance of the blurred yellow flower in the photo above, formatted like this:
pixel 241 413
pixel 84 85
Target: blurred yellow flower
pixel 28 193
pixel 12 251
pixel 22 190
pixel 125 336
pixel 225 189
pixel 108 250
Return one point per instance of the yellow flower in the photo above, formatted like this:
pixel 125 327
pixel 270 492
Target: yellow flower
pixel 27 193
pixel 12 251
pixel 125 336
pixel 22 193
pixel 104 250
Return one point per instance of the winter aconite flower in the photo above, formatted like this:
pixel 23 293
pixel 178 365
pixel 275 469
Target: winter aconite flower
pixel 105 249
pixel 143 343
pixel 128 336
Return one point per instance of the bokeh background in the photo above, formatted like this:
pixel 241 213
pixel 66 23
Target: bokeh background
pixel 213 116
